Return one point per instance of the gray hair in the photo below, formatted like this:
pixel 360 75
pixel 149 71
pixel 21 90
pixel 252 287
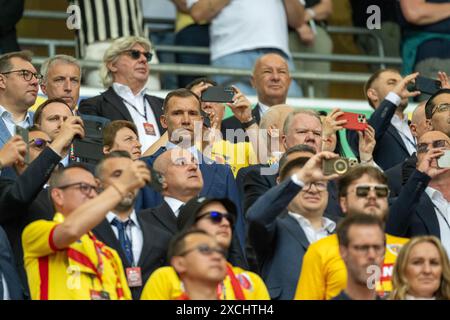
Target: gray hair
pixel 57 58
pixel 114 51
pixel 291 116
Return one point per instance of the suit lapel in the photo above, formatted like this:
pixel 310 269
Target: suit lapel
pixel 105 234
pixel 391 130
pixel 112 97
pixel 166 217
pixel 295 230
pixel 208 174
pixel 155 104
pixel 427 214
pixel 255 113
pixel 4 133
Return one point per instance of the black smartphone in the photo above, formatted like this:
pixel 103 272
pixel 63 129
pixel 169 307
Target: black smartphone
pixel 218 94
pixel 157 180
pixel 206 119
pixel 24 134
pixel 90 148
pixel 427 85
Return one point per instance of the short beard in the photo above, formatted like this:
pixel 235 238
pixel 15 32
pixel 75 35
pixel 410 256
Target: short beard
pixel 126 204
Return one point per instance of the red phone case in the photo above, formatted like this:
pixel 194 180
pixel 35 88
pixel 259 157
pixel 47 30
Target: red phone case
pixel 355 121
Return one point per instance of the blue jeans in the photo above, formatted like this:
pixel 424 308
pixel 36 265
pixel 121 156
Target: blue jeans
pixel 246 60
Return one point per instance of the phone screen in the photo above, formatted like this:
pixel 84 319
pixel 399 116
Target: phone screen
pixel 444 161
pixel 218 94
pixel 24 134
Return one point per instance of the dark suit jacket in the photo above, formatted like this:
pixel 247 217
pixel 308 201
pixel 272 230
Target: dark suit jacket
pixel 109 105
pixel 233 123
pixel 154 249
pixel 218 182
pixel 164 218
pixel 7 268
pixel 279 241
pixel 412 213
pixel 398 175
pixel 390 149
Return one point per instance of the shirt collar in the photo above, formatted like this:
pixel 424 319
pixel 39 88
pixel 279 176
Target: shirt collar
pixel 123 90
pixel 397 119
pixel 263 108
pixel 191 149
pixel 4 112
pixel 111 216
pixel 435 195
pixel 174 204
pixel 327 224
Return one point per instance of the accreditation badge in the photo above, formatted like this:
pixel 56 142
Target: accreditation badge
pixel 134 277
pixel 149 129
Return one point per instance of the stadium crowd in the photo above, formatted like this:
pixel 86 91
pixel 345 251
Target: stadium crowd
pixel 125 195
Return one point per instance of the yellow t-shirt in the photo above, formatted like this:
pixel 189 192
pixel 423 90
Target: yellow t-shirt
pixel 324 273
pixel 71 273
pixel 164 284
pixel 236 155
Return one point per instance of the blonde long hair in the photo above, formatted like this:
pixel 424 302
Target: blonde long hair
pixel 400 282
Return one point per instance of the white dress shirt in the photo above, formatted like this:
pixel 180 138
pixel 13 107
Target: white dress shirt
pixel 5 289
pixel 442 209
pixel 174 204
pixel 137 105
pixel 262 108
pixel 134 233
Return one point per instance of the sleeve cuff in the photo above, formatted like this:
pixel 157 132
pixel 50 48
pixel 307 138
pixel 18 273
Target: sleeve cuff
pixel 298 182
pixel 190 3
pixel 394 98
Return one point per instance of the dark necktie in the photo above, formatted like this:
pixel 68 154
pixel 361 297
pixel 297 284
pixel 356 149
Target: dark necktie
pixel 124 240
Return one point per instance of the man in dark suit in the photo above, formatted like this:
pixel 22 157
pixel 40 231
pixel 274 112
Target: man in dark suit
pixel 271 79
pixel 181 112
pixel 10 286
pixel 387 93
pixel 423 204
pixel 125 71
pixel 141 244
pixel 286 219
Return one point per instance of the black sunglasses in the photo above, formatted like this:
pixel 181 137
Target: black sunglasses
pixel 423 147
pixel 216 217
pixel 205 250
pixel 381 190
pixel 39 143
pixel 136 54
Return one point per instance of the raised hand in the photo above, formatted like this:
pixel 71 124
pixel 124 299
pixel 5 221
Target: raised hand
pixel 13 151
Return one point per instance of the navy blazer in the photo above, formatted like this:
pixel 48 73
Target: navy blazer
pixel 390 148
pixel 412 213
pixel 110 105
pixel 279 241
pixel 8 270
pixel 218 182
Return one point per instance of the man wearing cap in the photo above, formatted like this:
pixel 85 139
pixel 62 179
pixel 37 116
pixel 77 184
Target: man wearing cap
pixel 216 217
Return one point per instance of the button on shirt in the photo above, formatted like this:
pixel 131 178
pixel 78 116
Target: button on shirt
pixel 442 209
pixel 174 204
pixel 133 231
pixel 137 105
pixel 7 118
pixel 312 234
pixel 401 125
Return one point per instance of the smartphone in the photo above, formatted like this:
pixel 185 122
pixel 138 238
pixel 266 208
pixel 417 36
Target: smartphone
pixel 90 148
pixel 355 121
pixel 427 85
pixel 218 94
pixel 444 161
pixel 156 180
pixel 337 165
pixel 24 134
pixel 206 119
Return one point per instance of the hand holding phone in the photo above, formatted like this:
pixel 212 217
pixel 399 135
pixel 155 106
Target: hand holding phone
pixel 427 85
pixel 24 134
pixel 156 181
pixel 444 161
pixel 355 121
pixel 218 94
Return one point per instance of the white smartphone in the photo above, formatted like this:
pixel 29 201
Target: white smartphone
pixel 444 161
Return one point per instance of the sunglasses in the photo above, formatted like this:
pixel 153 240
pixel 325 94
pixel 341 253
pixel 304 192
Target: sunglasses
pixel 381 190
pixel 216 217
pixel 39 143
pixel 423 147
pixel 136 54
pixel 206 250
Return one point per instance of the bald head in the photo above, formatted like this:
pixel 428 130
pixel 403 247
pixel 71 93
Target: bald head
pixel 418 124
pixel 431 136
pixel 275 116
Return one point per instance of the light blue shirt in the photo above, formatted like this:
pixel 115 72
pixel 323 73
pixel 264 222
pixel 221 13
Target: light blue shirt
pixel 8 119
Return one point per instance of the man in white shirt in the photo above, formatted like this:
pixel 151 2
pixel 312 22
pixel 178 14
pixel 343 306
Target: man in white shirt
pixel 125 71
pixel 141 245
pixel 19 83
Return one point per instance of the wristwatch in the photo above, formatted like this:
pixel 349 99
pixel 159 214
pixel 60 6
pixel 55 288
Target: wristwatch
pixel 247 124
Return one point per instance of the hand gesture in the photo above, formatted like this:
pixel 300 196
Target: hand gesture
pixel 13 151
pixel 200 87
pixel 401 88
pixel 72 127
pixel 312 170
pixel 427 163
pixel 330 125
pixel 367 143
pixel 444 80
pixel 241 106
pixel 135 177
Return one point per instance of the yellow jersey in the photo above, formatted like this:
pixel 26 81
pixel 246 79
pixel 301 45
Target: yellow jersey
pixel 324 273
pixel 236 155
pixel 164 284
pixel 86 270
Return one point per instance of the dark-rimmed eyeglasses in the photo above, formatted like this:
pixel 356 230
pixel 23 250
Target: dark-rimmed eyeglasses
pixel 204 249
pixel 216 217
pixel 381 190
pixel 364 249
pixel 84 188
pixel 443 107
pixel 423 147
pixel 136 54
pixel 39 143
pixel 26 74
pixel 320 186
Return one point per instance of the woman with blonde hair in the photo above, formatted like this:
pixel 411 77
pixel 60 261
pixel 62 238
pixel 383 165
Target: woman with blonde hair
pixel 422 271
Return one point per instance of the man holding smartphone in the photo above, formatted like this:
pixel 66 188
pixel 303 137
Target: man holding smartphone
pixel 437 111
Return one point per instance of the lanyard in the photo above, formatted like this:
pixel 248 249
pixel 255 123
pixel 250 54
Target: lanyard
pixel 442 215
pixel 136 109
